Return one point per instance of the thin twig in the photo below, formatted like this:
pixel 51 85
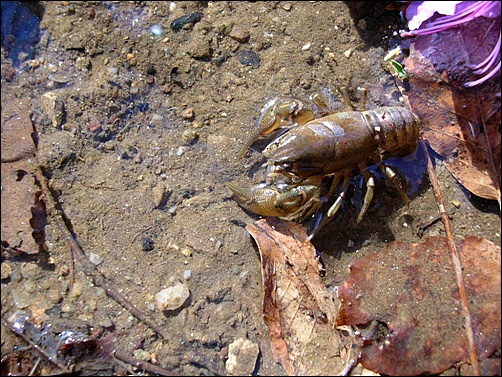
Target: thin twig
pixel 151 368
pixel 72 267
pixel 90 269
pixel 455 259
pixel 140 232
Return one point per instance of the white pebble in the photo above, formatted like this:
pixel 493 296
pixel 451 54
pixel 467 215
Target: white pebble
pixel 181 150
pixel 172 298
pixel 187 274
pixel 348 52
pixel 306 47
pixel 112 71
pixel 242 356
pixel 95 259
pixel 156 30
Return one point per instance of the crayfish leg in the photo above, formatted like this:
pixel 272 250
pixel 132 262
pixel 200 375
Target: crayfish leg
pixel 345 97
pixel 396 181
pixel 332 211
pixel 368 197
pixel 370 191
pixel 363 97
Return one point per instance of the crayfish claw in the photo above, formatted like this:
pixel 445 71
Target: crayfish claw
pixel 292 203
pixel 259 200
pixel 267 123
pixel 279 113
pixel 240 192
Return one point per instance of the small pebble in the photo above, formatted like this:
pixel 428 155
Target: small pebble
pixel 187 113
pixel 248 57
pixel 95 259
pixel 54 107
pixel 238 34
pixel 362 24
pixel 161 195
pixel 242 356
pixel 6 270
pixel 181 150
pixel 187 251
pixel 172 298
pixel 157 119
pixel 187 274
pixel 366 243
pixel 189 135
pixel 112 71
pixel 142 355
pixel 306 47
pixel 156 30
pixel 52 68
pixel 182 21
pixel 76 290
pixel 148 244
pixel 348 52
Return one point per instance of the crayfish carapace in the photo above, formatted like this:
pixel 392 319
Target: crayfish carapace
pixel 322 145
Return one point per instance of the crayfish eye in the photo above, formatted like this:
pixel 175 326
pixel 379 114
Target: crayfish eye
pixel 287 166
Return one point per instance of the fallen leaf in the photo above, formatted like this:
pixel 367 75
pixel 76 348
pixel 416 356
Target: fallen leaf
pixel 405 302
pixel 461 125
pixel 297 307
pixel 23 213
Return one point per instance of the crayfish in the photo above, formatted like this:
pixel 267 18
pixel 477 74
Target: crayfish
pixel 315 156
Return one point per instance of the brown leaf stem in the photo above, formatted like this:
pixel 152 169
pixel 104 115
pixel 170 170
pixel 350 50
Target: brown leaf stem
pixel 455 259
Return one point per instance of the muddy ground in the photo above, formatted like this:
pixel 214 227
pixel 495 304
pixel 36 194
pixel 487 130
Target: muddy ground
pixel 152 127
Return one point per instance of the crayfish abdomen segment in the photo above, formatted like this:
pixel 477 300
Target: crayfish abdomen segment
pixel 396 129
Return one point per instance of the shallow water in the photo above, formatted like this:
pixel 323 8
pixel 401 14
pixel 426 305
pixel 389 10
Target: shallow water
pixel 131 166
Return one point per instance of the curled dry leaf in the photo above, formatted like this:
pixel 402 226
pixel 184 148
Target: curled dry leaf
pixel 297 307
pixel 462 125
pixel 405 302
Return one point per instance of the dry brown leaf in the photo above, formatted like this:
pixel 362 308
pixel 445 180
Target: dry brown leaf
pixel 462 125
pixel 297 307
pixel 23 214
pixel 406 302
